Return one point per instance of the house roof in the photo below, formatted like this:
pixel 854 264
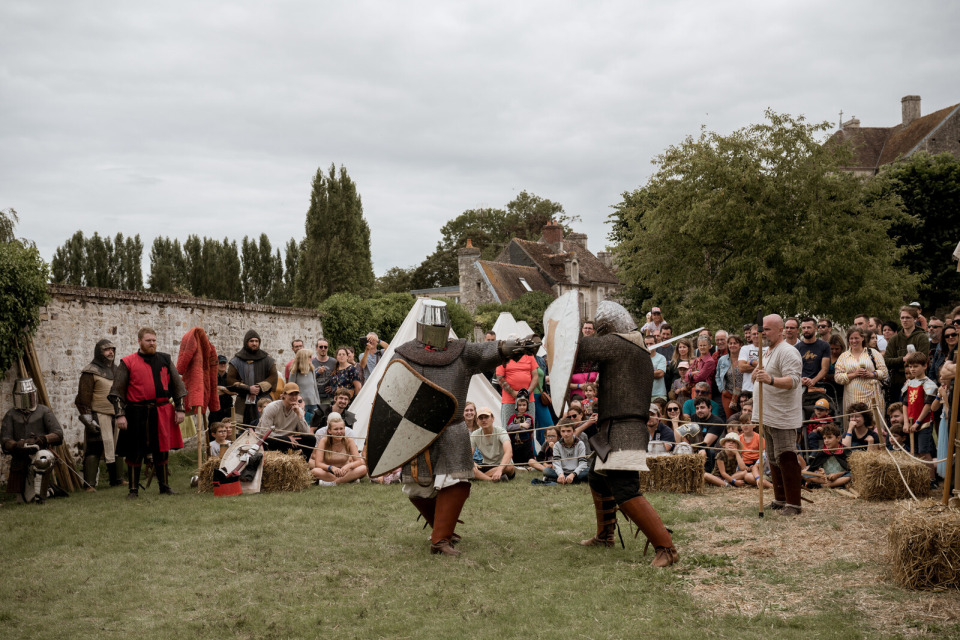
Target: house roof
pixel 876 146
pixel 591 269
pixel 505 280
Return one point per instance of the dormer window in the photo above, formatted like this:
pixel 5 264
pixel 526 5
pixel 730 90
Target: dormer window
pixel 526 286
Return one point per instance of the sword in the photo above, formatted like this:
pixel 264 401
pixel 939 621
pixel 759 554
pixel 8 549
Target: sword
pixel 675 338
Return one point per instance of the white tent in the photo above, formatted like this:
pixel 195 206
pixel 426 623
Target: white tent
pixel 481 392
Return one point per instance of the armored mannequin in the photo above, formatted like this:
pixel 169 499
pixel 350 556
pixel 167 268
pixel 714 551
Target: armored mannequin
pixel 437 481
pixel 28 430
pixel 626 374
pixel 97 414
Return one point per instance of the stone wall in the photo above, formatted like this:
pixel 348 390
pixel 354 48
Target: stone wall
pixel 77 317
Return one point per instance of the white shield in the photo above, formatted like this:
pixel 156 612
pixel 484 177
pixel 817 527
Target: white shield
pixel 561 328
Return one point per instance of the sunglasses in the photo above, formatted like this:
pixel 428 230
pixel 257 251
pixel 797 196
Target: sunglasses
pixel 669 409
pixel 947 336
pixel 322 347
pixel 821 326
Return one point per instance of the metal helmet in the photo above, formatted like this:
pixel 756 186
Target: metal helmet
pixel 690 429
pixel 613 318
pixel 433 325
pixel 24 394
pixel 42 460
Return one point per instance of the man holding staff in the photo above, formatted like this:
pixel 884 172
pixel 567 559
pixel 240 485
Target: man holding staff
pixel 782 414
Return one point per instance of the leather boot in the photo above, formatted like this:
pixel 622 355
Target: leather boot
pixel 449 504
pixel 133 478
pixel 642 513
pixel 91 469
pixel 792 479
pixel 779 497
pixel 113 475
pixel 162 478
pixel 606 510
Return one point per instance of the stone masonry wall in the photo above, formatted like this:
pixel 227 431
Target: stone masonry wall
pixel 77 317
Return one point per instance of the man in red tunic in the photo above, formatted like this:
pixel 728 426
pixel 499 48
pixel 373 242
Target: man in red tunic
pixel 147 395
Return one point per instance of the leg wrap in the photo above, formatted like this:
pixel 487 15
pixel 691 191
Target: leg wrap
pixel 790 471
pixel 606 511
pixel 449 504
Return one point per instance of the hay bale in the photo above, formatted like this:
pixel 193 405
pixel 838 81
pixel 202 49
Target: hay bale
pixel 924 543
pixel 874 475
pixel 205 484
pixel 281 472
pixel 284 472
pixel 673 474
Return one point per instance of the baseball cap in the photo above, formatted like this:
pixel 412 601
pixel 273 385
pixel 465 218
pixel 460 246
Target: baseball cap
pixel 683 364
pixel 822 403
pixel 291 387
pixel 654 408
pixel 485 411
pixel 222 359
pixel 915 304
pixel 655 310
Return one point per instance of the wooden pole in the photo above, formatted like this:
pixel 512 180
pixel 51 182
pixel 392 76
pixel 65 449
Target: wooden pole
pixel 951 474
pixel 763 447
pixel 198 424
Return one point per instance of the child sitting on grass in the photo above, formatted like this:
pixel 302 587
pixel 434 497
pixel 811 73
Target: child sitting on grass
pixel 829 467
pixel 861 436
pixel 728 467
pixel 569 458
pixel 220 443
pixel 544 459
pixel 520 428
pixel 821 418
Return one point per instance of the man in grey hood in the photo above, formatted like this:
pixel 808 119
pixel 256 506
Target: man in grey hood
pixel 252 373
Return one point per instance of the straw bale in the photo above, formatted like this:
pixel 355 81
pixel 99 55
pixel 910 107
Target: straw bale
pixel 673 474
pixel 874 475
pixel 281 472
pixel 284 472
pixel 924 543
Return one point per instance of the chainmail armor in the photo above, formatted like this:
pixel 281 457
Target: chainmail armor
pixel 451 452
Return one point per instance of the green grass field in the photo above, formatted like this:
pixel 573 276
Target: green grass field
pixel 352 562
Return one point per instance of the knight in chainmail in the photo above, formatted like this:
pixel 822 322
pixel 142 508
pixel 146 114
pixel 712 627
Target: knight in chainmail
pixel 97 414
pixel 626 382
pixel 437 481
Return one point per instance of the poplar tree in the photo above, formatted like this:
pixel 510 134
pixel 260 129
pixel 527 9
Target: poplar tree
pixel 335 256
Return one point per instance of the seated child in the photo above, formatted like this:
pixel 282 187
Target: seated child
pixel 895 417
pixel 520 428
pixel 829 468
pixel 733 427
pixel 569 458
pixel 750 452
pixel 336 460
pixel 860 435
pixel 821 418
pixel 261 405
pixel 728 467
pixel 220 443
pixel 544 459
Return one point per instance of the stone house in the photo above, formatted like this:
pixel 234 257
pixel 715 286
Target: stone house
pixel 553 264
pixel 874 147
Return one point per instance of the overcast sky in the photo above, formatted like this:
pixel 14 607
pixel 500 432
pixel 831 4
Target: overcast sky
pixel 212 118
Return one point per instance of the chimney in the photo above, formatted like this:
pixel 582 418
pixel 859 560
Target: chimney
pixel 552 233
pixel 579 238
pixel 852 123
pixel 910 106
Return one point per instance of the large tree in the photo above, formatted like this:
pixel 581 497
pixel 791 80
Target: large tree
pixel 760 218
pixel 23 289
pixel 489 230
pixel 110 263
pixel 335 257
pixel 929 186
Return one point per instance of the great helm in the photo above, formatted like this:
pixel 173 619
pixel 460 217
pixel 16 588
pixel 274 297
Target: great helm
pixel 24 394
pixel 613 318
pixel 433 325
